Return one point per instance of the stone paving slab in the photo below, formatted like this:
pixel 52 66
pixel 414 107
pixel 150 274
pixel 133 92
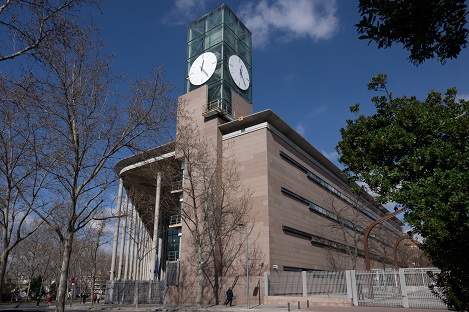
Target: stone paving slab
pixel 217 308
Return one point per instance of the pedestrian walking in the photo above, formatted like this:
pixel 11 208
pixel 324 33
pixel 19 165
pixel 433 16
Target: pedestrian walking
pixel 49 299
pixel 229 296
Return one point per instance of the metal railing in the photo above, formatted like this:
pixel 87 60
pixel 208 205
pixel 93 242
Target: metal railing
pixel 408 288
pixel 175 220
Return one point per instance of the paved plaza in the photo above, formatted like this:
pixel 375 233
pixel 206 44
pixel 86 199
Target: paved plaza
pixel 213 308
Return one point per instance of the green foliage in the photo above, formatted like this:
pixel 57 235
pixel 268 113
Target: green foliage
pixel 427 29
pixel 451 290
pixel 416 152
pixel 36 285
pixel 7 290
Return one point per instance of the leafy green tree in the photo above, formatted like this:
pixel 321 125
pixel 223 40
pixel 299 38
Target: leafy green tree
pixel 416 153
pixel 427 29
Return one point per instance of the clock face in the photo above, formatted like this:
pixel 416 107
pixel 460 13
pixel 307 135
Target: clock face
pixel 239 72
pixel 202 68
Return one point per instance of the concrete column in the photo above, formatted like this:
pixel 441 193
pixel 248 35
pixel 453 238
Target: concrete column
pixel 132 253
pixel 155 228
pixel 127 258
pixel 160 252
pixel 405 298
pixel 116 231
pixel 304 283
pixel 124 231
pixel 136 247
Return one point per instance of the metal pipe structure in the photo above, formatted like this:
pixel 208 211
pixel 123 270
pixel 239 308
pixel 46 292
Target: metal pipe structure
pixel 368 230
pixel 408 235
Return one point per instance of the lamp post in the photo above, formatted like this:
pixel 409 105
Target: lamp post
pixel 247 265
pixel 368 230
pixel 400 239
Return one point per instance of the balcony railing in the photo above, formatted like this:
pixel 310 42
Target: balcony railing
pixel 175 220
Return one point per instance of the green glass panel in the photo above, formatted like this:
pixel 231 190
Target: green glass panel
pixel 195 47
pixel 244 35
pixel 245 54
pixel 217 50
pixel 231 20
pixel 230 37
pixel 195 30
pixel 214 93
pixel 214 19
pixel 213 37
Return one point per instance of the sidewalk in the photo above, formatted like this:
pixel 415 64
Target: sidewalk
pixel 239 308
pixel 209 308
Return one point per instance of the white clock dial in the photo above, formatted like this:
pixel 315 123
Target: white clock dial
pixel 202 68
pixel 239 72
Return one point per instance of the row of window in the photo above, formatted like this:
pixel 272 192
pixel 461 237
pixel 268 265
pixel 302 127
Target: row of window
pixel 313 177
pixel 316 240
pixel 329 214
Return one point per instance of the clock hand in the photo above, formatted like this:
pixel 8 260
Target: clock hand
pixel 206 74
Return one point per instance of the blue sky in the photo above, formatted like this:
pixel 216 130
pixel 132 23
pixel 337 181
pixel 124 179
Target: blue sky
pixel 308 64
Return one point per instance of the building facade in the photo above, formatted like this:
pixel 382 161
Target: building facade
pixel 304 214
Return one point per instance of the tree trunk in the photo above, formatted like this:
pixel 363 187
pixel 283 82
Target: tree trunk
pixel 3 267
pixel 200 277
pixel 62 290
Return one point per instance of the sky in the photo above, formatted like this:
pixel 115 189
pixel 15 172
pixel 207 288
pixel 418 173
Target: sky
pixel 309 66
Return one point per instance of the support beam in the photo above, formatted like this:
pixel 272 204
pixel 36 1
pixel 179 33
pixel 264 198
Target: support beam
pixel 124 231
pixel 156 221
pixel 116 231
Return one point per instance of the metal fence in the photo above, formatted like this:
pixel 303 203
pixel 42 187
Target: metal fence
pixel 408 288
pixel 125 292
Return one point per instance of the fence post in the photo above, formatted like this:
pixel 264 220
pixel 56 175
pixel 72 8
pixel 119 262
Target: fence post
pixel 305 287
pixel 405 298
pixel 353 287
pixel 349 284
pixel 266 284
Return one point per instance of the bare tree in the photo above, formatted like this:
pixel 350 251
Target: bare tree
pixel 349 225
pixel 22 172
pixel 26 25
pixel 87 128
pixel 215 202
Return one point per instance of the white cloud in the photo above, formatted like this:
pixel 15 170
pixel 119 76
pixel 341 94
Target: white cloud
pixel 332 156
pixel 185 11
pixel 288 20
pixel 300 129
pixel 318 110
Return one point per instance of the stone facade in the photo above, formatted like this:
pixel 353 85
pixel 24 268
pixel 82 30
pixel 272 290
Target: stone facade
pixel 304 215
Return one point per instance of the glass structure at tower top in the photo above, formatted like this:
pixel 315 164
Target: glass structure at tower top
pixel 222 33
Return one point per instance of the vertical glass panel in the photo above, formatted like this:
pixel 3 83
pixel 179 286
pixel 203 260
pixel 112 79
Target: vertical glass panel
pixel 244 35
pixel 213 37
pixel 214 93
pixel 230 38
pixel 214 18
pixel 195 30
pixel 217 50
pixel 231 20
pixel 228 51
pixel 195 47
pixel 173 243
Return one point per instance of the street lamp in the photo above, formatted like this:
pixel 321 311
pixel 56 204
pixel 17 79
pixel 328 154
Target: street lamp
pixel 368 230
pixel 400 239
pixel 247 265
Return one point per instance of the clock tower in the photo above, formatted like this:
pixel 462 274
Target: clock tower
pixel 219 55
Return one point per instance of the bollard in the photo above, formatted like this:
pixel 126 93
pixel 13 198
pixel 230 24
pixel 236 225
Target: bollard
pixel 289 306
pixel 307 303
pixel 299 305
